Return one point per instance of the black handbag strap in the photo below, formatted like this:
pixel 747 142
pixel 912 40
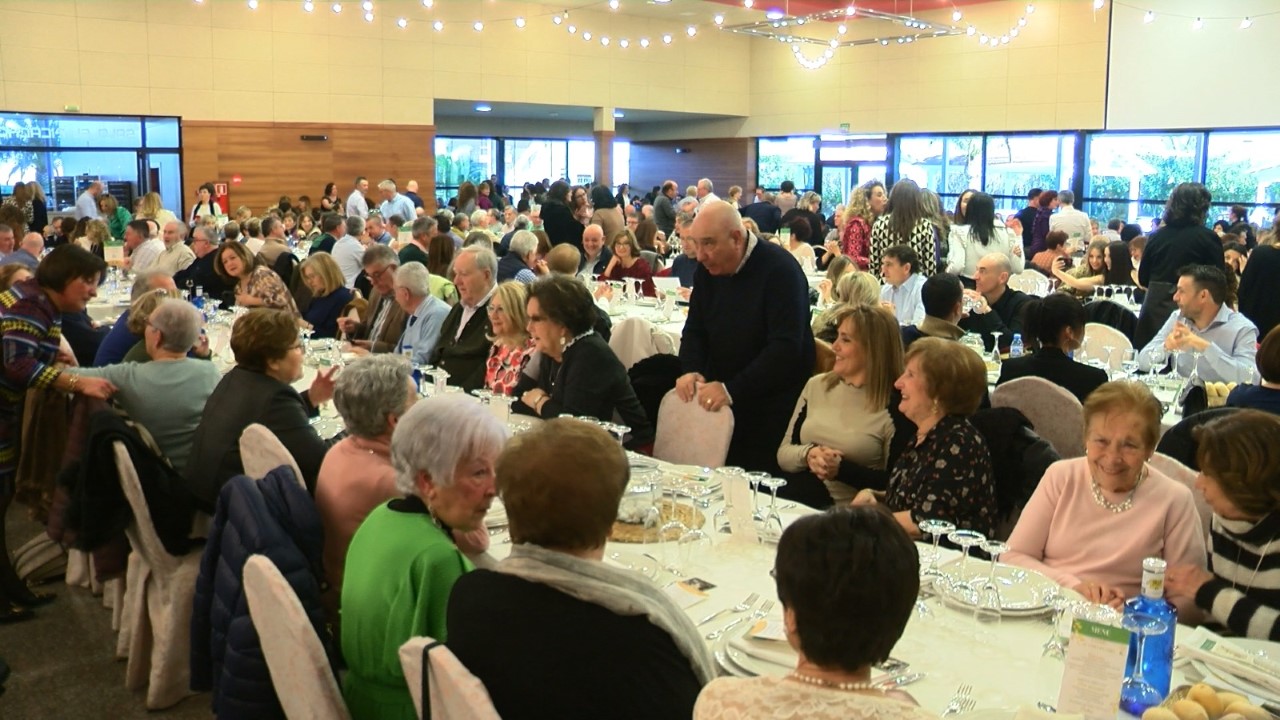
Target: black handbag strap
pixel 426 690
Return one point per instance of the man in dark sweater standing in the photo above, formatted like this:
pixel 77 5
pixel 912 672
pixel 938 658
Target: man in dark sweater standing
pixel 747 344
pixel 1027 216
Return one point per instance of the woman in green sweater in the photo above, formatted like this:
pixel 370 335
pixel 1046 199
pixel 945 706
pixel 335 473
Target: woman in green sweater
pixel 407 554
pixel 116 217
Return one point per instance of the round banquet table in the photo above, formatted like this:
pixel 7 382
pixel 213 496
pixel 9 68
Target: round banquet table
pixel 672 327
pixel 1001 661
pixel 108 305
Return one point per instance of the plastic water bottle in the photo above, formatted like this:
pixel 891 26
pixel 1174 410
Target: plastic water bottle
pixel 1015 347
pixel 1157 652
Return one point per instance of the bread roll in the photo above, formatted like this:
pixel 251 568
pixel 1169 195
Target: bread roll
pixel 1208 699
pixel 1248 710
pixel 1189 710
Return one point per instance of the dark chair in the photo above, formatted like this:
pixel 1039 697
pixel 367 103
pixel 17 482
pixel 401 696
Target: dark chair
pixel 652 378
pixel 1019 458
pixel 1179 444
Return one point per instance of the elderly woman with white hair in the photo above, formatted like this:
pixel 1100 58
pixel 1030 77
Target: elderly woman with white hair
pixel 521 262
pixel 167 395
pixel 356 476
pixel 403 561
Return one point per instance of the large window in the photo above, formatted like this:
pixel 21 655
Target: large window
pixel 64 153
pixel 621 163
pixel 781 159
pixel 460 160
pixel 1130 175
pixel 947 165
pixel 1244 168
pixel 1017 164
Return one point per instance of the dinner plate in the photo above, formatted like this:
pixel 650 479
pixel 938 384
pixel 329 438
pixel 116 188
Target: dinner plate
pixel 1023 593
pixel 648 567
pixel 739 664
pixel 719 650
pixel 773 652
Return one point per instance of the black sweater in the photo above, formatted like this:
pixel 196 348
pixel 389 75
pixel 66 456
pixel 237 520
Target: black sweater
pixel 589 381
pixel 1173 247
pixel 1243 594
pixel 1053 365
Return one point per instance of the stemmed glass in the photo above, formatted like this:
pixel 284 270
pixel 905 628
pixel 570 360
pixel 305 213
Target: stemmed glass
pixel 1110 351
pixel 1129 362
pixel 772 520
pixel 936 528
pixel 756 478
pixel 965 539
pixel 1054 647
pixel 989 604
pixel 1136 694
pixel 995 346
pixel 721 520
pixel 618 431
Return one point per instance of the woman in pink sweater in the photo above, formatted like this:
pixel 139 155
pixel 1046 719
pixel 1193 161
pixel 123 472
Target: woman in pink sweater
pixel 1093 519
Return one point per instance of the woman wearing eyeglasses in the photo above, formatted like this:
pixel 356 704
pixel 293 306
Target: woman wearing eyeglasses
pixel 511 343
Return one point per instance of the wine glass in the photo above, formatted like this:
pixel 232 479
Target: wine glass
pixel 1054 647
pixel 936 528
pixel 989 606
pixel 720 521
pixel 1136 694
pixel 1109 364
pixel 755 478
pixel 965 539
pixel 1129 362
pixel 772 520
pixel 694 547
pixel 995 346
pixel 617 430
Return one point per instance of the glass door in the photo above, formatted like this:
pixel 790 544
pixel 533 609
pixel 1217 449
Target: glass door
pixel 835 181
pixel 870 171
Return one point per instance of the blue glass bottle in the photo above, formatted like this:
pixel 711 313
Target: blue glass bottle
pixel 1016 347
pixel 1157 655
pixel 197 298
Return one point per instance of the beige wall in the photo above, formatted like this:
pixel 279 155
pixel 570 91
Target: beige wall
pixel 218 60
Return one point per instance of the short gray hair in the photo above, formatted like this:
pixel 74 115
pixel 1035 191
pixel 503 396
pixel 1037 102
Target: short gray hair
pixel 142 283
pixel 378 254
pixel 178 323
pixel 387 184
pixel 1066 197
pixel 370 389
pixel 688 204
pixel 522 222
pixel 209 234
pixel 685 218
pixel 447 214
pixel 438 434
pixel 414 277
pixel 424 227
pixel 484 258
pixel 706 183
pixel 477 216
pixel 355 225
pixel 523 242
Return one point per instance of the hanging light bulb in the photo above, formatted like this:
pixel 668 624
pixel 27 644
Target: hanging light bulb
pixel 1022 22
pixel 1245 24
pixel 253 4
pixel 1097 4
pixel 1149 17
pixel 557 19
pixel 368 17
pixel 428 3
pixel 586 34
pixel 719 19
pixel 1197 24
pixel 982 40
pixel 955 16
pixel 605 41
pixel 691 30
pixel 1013 32
pixel 477 26
pixel 336 7
pixel 834 43
pixel 624 43
pixel 403 23
pixel 613 4
pixel 1031 8
pixel 308 6
pixel 884 42
pixel 644 42
pixel 842 29
pixel 971 30
pixel 367 6
pixel 438 25
pixel 519 22
pixel 666 38
pixel 573 29
pixel 748 3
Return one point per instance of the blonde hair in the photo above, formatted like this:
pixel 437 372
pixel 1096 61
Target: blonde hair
pixel 859 205
pixel 513 295
pixel 140 310
pixel 873 326
pixel 856 288
pixel 151 206
pixel 326 268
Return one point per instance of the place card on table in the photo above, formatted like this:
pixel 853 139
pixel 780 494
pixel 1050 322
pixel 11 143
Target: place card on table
pixel 1094 670
pixel 684 595
pixel 113 252
pixel 768 629
pixel 737 495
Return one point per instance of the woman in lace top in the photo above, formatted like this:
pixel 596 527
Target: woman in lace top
pixel 511 342
pixel 256 285
pixel 847 581
pixel 946 473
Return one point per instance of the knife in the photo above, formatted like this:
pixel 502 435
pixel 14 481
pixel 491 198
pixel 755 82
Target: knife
pixel 899 680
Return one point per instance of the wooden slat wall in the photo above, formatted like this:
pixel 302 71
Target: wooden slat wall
pixel 273 160
pixel 729 161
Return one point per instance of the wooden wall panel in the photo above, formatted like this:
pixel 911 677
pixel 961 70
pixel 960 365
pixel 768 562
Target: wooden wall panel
pixel 272 159
pixel 728 161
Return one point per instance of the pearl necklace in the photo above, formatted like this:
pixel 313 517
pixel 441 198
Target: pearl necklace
pixel 819 682
pixel 1128 502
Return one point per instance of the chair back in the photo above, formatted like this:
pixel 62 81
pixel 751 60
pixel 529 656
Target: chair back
pixel 689 435
pixel 655 260
pixel 1030 282
pixel 453 692
pixel 1185 475
pixel 300 670
pixel 1098 336
pixel 142 531
pixel 261 452
pixel 635 339
pixel 1055 414
pixel 824 358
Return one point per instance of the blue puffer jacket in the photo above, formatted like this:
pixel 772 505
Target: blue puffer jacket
pixel 274 517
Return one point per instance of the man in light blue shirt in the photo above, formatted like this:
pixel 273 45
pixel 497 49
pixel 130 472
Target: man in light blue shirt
pixel 357 206
pixel 348 251
pixel 378 229
pixel 902 284
pixel 87 203
pixel 394 204
pixel 426 313
pixel 1225 340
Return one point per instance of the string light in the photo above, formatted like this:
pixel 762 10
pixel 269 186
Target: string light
pixel 367 5
pixel 604 41
pixel 1245 24
pixel 519 22
pixel 336 8
pixel 955 16
pixel 613 4
pixel 644 42
pixel 1097 4
pixel 842 29
pixel 691 30
pixel 428 3
pixel 586 34
pixel 719 19
pixel 573 29
pixel 1149 17
pixel 557 19
pixel 1197 24
pixel 438 26
pixel 666 39
pixel 477 26
pixel 748 4
pixel 368 17
pixel 403 23
pixel 1031 8
pixel 253 4
pixel 308 6
pixel 624 43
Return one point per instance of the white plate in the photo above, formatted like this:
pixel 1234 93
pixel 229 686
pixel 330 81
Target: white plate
pixel 1023 593
pixel 740 664
pixel 719 650
pixel 992 714
pixel 634 562
pixel 775 653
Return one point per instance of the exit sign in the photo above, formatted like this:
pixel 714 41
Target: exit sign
pixel 844 127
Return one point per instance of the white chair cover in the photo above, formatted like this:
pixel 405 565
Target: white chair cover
pixel 1031 282
pixel 456 694
pixel 1056 414
pixel 162 592
pixel 689 435
pixel 261 452
pixel 300 670
pixel 634 339
pixel 1185 475
pixel 1098 336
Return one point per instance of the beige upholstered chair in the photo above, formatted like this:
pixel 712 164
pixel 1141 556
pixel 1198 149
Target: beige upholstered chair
pixel 299 667
pixel 1098 336
pixel 635 339
pixel 455 693
pixel 158 602
pixel 261 452
pixel 689 435
pixel 1056 414
pixel 1185 475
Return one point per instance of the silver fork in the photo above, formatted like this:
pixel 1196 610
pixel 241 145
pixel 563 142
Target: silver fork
pixel 960 702
pixel 761 612
pixel 741 607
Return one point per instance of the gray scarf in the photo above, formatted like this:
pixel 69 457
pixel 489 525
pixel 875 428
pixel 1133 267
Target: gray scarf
pixel 620 591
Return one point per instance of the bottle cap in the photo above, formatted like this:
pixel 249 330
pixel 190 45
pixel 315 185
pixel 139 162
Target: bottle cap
pixel 1154 564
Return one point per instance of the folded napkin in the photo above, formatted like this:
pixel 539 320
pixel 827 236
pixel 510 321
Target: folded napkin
pixel 772 651
pixel 1227 659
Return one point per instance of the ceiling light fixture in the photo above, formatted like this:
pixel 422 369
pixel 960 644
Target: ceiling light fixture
pixel 368 17
pixel 403 23
pixel 557 19
pixel 605 41
pixel 666 39
pixel 438 25
pixel 747 4
pixel 955 16
pixel 1149 17
pixel 1031 8
pixel 336 7
pixel 842 29
pixel 613 4
pixel 774 15
pixel 573 29
pixel 477 26
pixel 367 6
pixel 1097 4
pixel 624 43
pixel 1245 24
pixel 253 4
pixel 644 42
pixel 308 6
pixel 519 22
pixel 719 19
pixel 618 114
pixel 586 34
pixel 428 3
pixel 1197 24
pixel 691 30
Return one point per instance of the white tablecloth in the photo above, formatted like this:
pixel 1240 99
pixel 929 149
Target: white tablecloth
pixel 108 305
pixel 674 327
pixel 1002 662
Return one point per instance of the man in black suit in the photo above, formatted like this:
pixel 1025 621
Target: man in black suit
pixel 1027 216
pixel 765 213
pixel 200 273
pixel 464 342
pixel 996 306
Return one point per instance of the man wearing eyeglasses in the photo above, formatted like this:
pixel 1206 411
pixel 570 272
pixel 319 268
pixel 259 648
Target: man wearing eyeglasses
pixel 385 321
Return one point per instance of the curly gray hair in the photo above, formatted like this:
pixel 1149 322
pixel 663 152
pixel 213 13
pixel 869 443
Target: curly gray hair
pixel 371 389
pixel 438 434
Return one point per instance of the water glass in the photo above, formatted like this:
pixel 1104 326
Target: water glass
pixel 935 528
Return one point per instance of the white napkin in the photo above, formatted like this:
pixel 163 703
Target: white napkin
pixel 1227 659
